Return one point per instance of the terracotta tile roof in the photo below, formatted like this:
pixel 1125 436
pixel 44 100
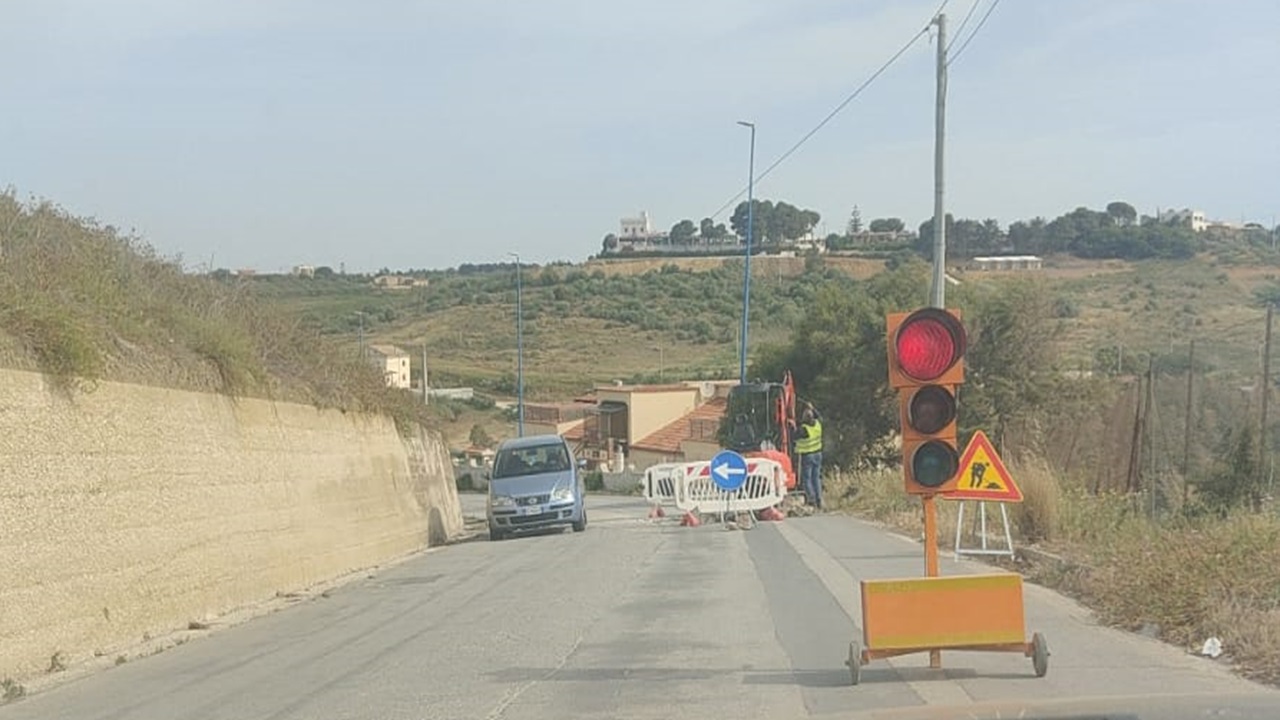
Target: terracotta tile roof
pixel 575 433
pixel 669 438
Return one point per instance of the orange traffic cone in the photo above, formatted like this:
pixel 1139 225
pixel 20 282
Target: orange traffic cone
pixel 690 520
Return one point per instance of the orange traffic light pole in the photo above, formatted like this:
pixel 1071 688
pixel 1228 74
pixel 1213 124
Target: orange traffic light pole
pixel 964 612
pixel 931 558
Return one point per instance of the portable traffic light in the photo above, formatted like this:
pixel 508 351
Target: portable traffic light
pixel 926 364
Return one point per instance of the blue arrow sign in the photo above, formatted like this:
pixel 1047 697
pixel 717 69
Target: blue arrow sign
pixel 728 470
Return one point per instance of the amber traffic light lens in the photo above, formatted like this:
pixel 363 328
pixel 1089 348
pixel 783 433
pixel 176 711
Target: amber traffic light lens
pixel 928 343
pixel 931 409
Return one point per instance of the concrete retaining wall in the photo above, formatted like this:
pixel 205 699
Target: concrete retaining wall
pixel 133 510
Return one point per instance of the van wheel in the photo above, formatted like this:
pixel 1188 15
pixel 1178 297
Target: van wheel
pixel 581 524
pixel 496 535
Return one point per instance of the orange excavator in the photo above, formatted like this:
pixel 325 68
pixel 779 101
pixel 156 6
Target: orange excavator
pixel 760 422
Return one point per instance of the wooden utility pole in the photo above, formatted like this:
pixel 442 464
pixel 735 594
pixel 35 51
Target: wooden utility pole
pixel 1266 393
pixel 1152 475
pixel 1186 430
pixel 1135 446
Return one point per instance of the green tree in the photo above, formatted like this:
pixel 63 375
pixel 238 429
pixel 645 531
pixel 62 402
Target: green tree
pixel 855 222
pixel 837 357
pixel 324 272
pixel 610 243
pixel 887 225
pixel 479 437
pixel 711 231
pixel 1009 364
pixel 761 212
pixel 682 232
pixel 1122 213
pixel 774 223
pixel 1235 482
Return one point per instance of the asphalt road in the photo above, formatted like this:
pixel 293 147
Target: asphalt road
pixel 634 619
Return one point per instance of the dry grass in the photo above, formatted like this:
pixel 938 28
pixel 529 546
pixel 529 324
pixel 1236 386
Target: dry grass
pixel 1189 579
pixel 81 302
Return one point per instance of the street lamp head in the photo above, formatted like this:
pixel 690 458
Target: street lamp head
pixel 744 123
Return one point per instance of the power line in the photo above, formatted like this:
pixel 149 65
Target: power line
pixel 983 21
pixel 965 21
pixel 830 116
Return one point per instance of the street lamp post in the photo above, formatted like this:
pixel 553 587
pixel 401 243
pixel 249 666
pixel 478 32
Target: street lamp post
pixel 661 360
pixel 519 350
pixel 746 279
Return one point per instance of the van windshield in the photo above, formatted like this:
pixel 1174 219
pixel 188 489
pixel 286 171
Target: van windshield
pixel 533 460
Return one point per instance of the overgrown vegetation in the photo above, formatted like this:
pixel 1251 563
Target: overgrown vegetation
pixel 11 690
pixel 1184 579
pixel 1163 511
pixel 83 302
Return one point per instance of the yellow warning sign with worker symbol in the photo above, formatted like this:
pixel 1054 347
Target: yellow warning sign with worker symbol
pixel 983 475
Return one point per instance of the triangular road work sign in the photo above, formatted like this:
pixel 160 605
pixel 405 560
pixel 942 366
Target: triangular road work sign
pixel 982 475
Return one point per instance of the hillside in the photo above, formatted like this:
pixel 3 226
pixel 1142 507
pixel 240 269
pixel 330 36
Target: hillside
pixel 82 302
pixel 583 325
pixel 633 319
pixel 1156 307
pixel 642 320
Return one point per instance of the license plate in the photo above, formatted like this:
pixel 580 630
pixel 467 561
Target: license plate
pixel 530 510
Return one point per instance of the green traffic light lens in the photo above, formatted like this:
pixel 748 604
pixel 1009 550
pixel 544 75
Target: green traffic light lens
pixel 934 463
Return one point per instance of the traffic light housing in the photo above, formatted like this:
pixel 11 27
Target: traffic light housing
pixel 926 366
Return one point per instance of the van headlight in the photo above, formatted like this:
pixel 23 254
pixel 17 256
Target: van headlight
pixel 502 501
pixel 562 493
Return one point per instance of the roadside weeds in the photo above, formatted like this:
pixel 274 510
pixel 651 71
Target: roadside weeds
pixel 1176 579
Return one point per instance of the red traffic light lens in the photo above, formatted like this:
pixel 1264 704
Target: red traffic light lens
pixel 928 343
pixel 934 463
pixel 931 409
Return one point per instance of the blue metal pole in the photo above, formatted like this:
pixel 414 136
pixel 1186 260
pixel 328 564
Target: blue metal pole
pixel 519 352
pixel 746 279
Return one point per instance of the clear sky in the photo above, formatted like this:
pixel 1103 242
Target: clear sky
pixel 427 133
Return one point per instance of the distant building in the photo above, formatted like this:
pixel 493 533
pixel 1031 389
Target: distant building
pixel 636 228
pixel 1194 219
pixel 399 282
pixel 640 425
pixel 1007 262
pixel 393 362
pixel 455 393
pixel 304 271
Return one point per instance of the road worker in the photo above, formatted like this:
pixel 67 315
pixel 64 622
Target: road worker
pixel 809 451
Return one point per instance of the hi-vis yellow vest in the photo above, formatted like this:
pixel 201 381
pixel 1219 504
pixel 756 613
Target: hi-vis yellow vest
pixel 813 443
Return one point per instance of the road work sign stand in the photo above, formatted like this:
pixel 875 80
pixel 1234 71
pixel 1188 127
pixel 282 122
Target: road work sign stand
pixel 981 532
pixel 984 478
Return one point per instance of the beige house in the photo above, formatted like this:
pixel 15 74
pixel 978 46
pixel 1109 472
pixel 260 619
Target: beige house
pixel 393 362
pixel 641 425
